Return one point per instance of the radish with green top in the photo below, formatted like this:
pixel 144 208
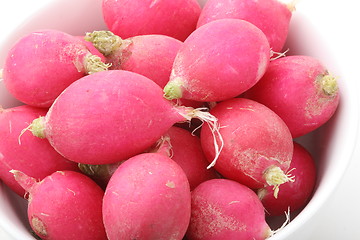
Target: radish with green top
pixel 149 55
pixel 110 116
pixel 43 63
pixel 148 197
pixel 20 150
pixel 257 148
pixel 302 92
pixel 218 61
pixel 271 16
pixel 293 195
pixel 64 205
pixel 225 209
pixel 129 18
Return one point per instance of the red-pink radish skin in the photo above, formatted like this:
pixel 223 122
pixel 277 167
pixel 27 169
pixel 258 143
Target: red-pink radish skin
pixel 148 55
pixel 271 16
pixel 185 149
pixel 35 157
pixel 225 209
pixel 293 195
pixel 303 93
pixel 148 197
pixel 218 61
pixel 107 117
pixel 129 18
pixel 43 63
pixel 255 140
pixel 92 49
pixel 64 205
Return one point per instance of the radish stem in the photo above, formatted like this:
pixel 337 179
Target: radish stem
pixel 37 127
pixel 274 176
pixel 173 89
pixel 104 41
pixel 94 64
pixel 328 84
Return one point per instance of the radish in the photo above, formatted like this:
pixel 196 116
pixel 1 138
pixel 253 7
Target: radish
pixel 64 205
pixel 185 149
pixel 257 148
pixel 148 55
pixel 218 61
pixel 293 195
pixel 225 209
pixel 148 197
pixel 110 116
pixel 129 18
pixel 303 93
pixel 271 16
pixel 43 63
pixel 35 157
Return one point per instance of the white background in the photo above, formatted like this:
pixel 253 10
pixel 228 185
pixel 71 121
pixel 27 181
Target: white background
pixel 339 216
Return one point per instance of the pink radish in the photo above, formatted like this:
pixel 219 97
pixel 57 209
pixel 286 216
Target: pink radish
pixel 293 195
pixel 110 116
pixel 43 63
pixel 225 209
pixel 35 157
pixel 257 148
pixel 271 16
pixel 148 55
pixel 64 205
pixel 129 18
pixel 186 151
pixel 218 61
pixel 303 93
pixel 148 197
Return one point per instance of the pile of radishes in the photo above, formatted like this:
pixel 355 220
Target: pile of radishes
pixel 177 122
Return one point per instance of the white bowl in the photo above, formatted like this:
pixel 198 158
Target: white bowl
pixel 314 31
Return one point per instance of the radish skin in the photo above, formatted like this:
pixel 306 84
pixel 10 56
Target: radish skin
pixel 20 150
pixel 149 55
pixel 126 116
pixel 225 209
pixel 271 16
pixel 257 148
pixel 176 18
pixel 64 200
pixel 218 61
pixel 185 149
pixel 148 197
pixel 43 63
pixel 303 93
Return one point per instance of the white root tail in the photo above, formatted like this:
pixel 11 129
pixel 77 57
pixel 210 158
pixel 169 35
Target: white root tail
pixel 203 115
pixel 287 221
pixel 277 55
